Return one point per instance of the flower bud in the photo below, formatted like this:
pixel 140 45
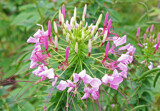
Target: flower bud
pixel 138 32
pixel 99 20
pixel 76 48
pixel 75 14
pixel 89 47
pixel 62 18
pixel 67 37
pixel 60 22
pixel 84 12
pixel 56 42
pixel 55 27
pixel 95 37
pixel 152 28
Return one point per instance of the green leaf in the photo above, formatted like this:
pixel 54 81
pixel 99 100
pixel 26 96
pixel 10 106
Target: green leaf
pixel 156 78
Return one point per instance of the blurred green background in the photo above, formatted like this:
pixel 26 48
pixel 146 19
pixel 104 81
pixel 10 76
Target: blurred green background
pixel 18 19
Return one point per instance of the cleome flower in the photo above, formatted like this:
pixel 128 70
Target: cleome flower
pixel 75 46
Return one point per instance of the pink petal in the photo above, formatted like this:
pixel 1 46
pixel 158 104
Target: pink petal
pixel 114 86
pixel 87 79
pixel 85 96
pixel 120 41
pixel 50 73
pixel 95 95
pixel 115 73
pixel 122 66
pixel 31 40
pixel 33 64
pixel 95 82
pixel 150 66
pixel 70 83
pixel 82 74
pixel 116 80
pixel 62 85
pixel 125 47
pixel 70 89
pixel 75 77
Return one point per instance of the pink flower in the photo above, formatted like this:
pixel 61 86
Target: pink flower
pixel 75 77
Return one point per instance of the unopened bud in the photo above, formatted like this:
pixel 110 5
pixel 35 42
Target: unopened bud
pixel 67 37
pixel 76 48
pixel 56 42
pixel 152 28
pixel 95 37
pixel 84 12
pixel 60 17
pixel 55 27
pixel 75 14
pixel 89 47
pixel 99 20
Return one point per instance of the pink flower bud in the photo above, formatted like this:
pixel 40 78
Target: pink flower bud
pixel 138 32
pixel 157 46
pixel 145 36
pixel 85 10
pixel 63 11
pixel 147 30
pixel 49 30
pixel 140 45
pixel 106 20
pixel 109 25
pixel 152 28
pixel 107 49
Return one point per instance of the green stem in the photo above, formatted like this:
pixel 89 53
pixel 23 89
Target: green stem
pixel 147 73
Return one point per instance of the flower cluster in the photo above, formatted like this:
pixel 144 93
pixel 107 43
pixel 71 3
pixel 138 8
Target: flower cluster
pixel 81 39
pixel 150 45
